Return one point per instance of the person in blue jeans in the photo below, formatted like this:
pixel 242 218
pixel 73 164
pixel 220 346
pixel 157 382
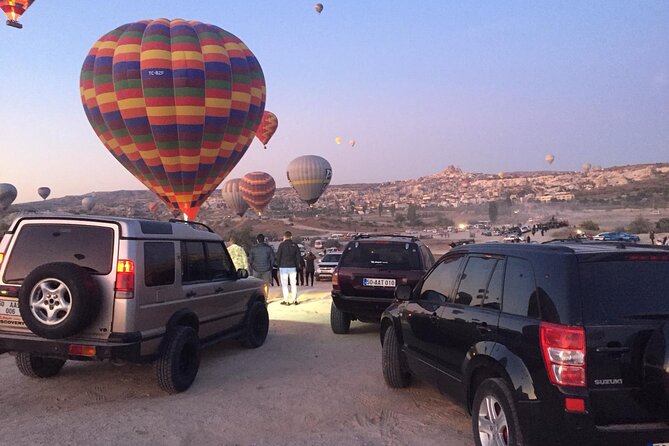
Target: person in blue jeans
pixel 288 259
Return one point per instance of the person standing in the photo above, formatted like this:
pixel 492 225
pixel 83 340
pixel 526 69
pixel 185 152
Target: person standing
pixel 300 271
pixel 261 259
pixel 652 237
pixel 237 254
pixel 288 259
pixel 310 267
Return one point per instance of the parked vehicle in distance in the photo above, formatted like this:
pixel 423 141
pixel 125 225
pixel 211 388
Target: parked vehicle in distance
pixel 544 344
pixel 326 266
pixel 318 244
pixel 617 236
pixel 76 287
pixel 369 269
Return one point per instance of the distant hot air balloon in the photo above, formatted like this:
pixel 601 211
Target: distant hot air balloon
pixel 14 9
pixel 501 175
pixel 88 203
pixel 257 189
pixel 318 7
pixel 351 142
pixel 43 192
pixel 309 175
pixel 233 196
pixel 586 167
pixel 549 158
pixel 267 127
pixel 152 206
pixel 7 195
pixel 176 102
pixel 338 140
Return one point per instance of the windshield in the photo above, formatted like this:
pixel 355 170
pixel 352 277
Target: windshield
pixel 620 292
pixel 388 255
pixel 331 258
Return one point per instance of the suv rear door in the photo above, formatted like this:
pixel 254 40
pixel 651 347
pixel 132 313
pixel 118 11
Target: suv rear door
pixel 625 302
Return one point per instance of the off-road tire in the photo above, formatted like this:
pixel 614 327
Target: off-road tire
pixel 395 372
pixel 34 366
pixel 497 389
pixel 81 292
pixel 257 326
pixel 339 320
pixel 177 366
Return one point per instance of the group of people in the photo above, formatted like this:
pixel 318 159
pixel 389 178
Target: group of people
pixel 287 263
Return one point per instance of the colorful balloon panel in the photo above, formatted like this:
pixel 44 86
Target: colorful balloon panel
pixel 176 102
pixel 309 175
pixel 267 127
pixel 232 195
pixel 257 189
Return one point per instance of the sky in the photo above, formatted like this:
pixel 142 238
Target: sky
pixel 486 86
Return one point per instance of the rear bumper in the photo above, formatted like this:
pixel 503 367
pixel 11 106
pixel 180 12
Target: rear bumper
pixel 363 308
pixel 118 346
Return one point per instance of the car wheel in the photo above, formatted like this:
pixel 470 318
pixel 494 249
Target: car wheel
pixel 257 326
pixel 34 366
pixel 394 370
pixel 177 366
pixel 339 321
pixel 58 300
pixel 494 416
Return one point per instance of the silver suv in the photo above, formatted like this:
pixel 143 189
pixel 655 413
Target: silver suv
pixel 125 290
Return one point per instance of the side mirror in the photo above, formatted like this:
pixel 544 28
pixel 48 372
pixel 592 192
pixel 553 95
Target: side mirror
pixel 403 292
pixel 242 273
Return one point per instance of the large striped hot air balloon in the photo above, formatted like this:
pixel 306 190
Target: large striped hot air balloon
pixel 7 195
pixel 257 189
pixel 309 175
pixel 176 102
pixel 14 9
pixel 232 196
pixel 267 127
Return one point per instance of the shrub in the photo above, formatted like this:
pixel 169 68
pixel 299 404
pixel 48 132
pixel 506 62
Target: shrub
pixel 662 225
pixel 640 225
pixel 589 225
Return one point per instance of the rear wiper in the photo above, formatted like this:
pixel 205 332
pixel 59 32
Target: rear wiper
pixel 654 316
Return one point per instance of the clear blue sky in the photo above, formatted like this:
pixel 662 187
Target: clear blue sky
pixel 488 86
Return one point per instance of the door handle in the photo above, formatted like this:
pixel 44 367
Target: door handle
pixel 191 294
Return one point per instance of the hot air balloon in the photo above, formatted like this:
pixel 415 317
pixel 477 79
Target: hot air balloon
pixel 351 142
pixel 176 102
pixel 549 158
pixel 586 167
pixel 43 192
pixel 338 140
pixel 7 195
pixel 501 175
pixel 152 206
pixel 14 9
pixel 88 203
pixel 309 175
pixel 233 196
pixel 267 127
pixel 257 189
pixel 318 7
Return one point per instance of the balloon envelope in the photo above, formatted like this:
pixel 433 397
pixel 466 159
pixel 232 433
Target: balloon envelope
pixel 318 7
pixel 309 175
pixel 44 192
pixel 352 143
pixel 14 9
pixel 7 195
pixel 257 189
pixel 232 196
pixel 88 203
pixel 267 127
pixel 586 167
pixel 177 103
pixel 338 140
pixel 549 158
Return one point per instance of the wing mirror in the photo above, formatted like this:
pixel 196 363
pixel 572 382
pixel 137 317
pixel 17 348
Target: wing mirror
pixel 242 273
pixel 403 292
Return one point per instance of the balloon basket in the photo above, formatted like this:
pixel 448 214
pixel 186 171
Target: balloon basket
pixel 14 24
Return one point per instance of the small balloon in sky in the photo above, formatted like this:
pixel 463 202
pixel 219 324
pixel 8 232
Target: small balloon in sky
pixel 267 127
pixel 318 7
pixel 352 142
pixel 501 175
pixel 7 195
pixel 549 158
pixel 88 203
pixel 14 9
pixel 338 140
pixel 232 196
pixel 43 192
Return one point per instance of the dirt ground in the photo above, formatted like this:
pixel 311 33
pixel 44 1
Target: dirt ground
pixel 304 386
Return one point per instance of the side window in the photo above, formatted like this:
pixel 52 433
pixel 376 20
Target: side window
pixel 493 298
pixel 438 286
pixel 428 258
pixel 519 289
pixel 474 281
pixel 193 262
pixel 218 261
pixel 159 264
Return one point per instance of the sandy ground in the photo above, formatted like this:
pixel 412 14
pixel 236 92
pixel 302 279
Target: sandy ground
pixel 304 386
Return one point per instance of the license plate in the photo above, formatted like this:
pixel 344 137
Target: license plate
pixel 9 312
pixel 378 282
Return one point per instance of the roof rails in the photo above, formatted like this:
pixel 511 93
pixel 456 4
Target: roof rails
pixel 413 238
pixel 193 224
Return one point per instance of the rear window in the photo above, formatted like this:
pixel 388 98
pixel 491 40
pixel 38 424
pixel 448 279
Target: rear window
pixel 624 292
pixel 386 255
pixel 331 258
pixel 90 247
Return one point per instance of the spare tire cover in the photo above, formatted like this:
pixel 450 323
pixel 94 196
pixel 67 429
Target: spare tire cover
pixel 656 366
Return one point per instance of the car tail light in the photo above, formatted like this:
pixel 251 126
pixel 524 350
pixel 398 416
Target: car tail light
pixel 335 278
pixel 563 349
pixel 81 350
pixel 2 257
pixel 125 279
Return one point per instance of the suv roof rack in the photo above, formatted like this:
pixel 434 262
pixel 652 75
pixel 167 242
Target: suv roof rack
pixel 193 224
pixel 413 238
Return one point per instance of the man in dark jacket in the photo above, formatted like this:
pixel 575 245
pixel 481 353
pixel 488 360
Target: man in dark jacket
pixel 288 259
pixel 309 260
pixel 261 259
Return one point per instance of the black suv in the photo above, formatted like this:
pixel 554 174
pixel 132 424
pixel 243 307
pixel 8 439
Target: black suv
pixel 561 343
pixel 368 271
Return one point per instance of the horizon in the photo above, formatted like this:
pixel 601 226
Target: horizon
pixel 487 88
